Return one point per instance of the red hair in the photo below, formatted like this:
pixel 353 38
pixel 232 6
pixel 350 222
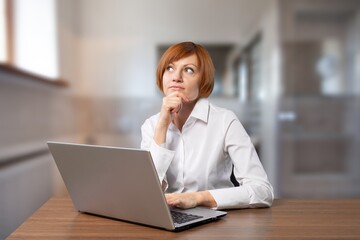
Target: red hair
pixel 185 49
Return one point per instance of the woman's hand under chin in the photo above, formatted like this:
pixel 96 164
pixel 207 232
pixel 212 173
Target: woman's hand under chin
pixel 172 103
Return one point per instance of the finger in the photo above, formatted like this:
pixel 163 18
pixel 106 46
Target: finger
pixel 174 203
pixel 183 97
pixel 175 105
pixel 179 107
pixel 180 95
pixel 169 197
pixel 170 105
pixel 172 199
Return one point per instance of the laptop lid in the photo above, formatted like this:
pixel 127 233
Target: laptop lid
pixel 120 183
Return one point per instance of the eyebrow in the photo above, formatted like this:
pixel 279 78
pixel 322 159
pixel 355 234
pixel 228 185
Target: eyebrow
pixel 186 65
pixel 190 64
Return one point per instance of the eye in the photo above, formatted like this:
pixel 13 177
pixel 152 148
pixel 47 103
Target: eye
pixel 169 68
pixel 189 70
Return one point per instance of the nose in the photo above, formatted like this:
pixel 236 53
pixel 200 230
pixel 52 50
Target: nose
pixel 177 76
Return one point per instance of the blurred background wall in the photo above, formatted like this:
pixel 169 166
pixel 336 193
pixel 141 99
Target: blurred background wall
pixel 289 69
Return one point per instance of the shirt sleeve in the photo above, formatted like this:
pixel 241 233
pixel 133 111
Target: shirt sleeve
pixel 254 188
pixel 162 157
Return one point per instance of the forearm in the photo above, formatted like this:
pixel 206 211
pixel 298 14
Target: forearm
pixel 204 198
pixel 160 134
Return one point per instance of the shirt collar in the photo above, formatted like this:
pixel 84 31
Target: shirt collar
pixel 201 110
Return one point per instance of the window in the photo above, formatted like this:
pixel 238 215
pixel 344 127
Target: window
pixel 35 37
pixel 3 38
pixel 28 38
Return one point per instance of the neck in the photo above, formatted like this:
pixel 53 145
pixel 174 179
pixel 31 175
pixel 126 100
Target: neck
pixel 180 118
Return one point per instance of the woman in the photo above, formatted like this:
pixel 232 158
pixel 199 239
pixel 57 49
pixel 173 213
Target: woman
pixel 194 144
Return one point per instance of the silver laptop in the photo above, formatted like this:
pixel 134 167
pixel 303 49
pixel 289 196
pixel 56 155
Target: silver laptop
pixel 121 183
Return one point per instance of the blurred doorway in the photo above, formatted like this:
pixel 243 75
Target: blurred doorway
pixel 319 107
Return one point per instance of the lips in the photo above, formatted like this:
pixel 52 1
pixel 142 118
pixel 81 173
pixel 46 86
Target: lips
pixel 176 88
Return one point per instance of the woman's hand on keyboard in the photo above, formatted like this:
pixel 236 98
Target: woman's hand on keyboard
pixel 190 199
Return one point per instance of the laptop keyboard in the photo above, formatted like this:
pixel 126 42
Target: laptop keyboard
pixel 179 217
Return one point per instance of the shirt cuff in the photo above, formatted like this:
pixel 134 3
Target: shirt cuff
pixel 228 198
pixel 162 158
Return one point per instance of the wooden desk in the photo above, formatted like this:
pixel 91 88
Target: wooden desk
pixel 286 219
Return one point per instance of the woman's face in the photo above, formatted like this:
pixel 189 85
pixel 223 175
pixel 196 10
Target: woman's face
pixel 183 76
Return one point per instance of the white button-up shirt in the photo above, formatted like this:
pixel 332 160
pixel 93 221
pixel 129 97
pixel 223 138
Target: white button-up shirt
pixel 202 156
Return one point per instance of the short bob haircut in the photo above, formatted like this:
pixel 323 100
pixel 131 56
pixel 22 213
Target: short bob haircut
pixel 185 49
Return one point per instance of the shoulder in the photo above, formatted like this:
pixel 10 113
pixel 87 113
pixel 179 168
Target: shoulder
pixel 151 121
pixel 226 121
pixel 221 118
pixel 221 113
